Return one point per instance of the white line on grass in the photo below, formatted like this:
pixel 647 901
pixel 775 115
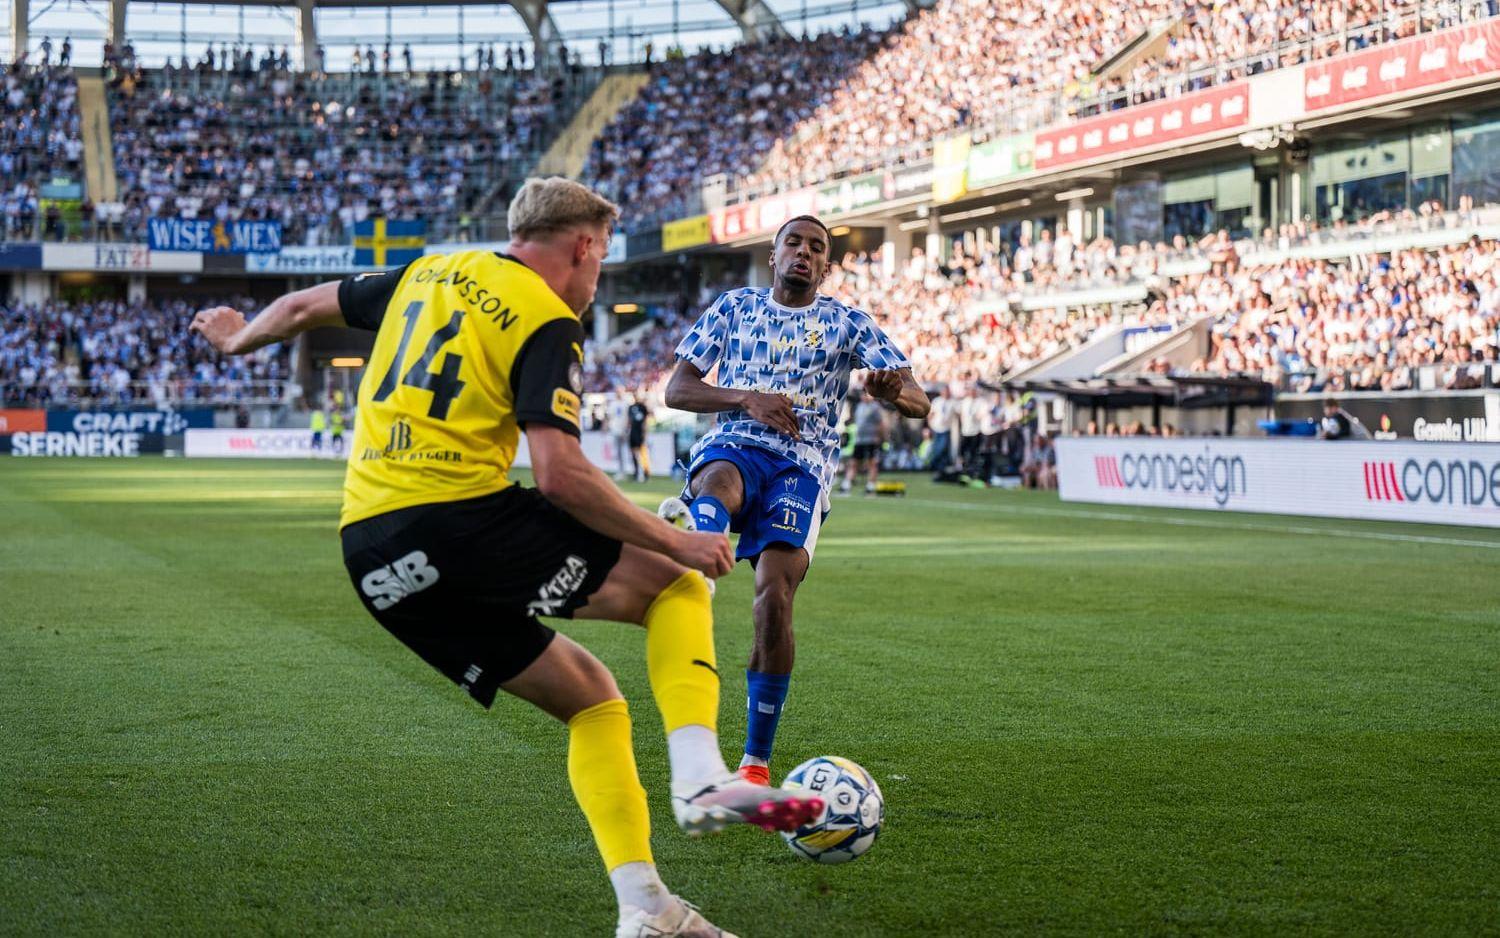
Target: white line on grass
pixel 1208 523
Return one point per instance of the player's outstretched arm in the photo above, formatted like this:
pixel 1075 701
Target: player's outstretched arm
pixel 568 480
pixel 688 391
pixel 899 389
pixel 287 317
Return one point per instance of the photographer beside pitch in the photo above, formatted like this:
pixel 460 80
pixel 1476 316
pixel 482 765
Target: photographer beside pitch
pixel 784 357
pixel 457 562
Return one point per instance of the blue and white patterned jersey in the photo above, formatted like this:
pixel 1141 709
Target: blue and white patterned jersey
pixel 805 354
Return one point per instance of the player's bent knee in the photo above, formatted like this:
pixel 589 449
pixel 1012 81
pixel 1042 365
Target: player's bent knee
pixel 632 586
pixel 690 585
pixel 593 674
pixel 722 481
pixel 664 575
pixel 566 680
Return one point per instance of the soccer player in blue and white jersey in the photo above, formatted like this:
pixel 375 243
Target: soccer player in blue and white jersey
pixel 784 356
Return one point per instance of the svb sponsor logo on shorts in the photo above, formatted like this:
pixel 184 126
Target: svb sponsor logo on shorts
pixel 388 585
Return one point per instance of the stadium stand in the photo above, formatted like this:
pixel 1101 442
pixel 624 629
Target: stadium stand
pixel 715 112
pixel 944 314
pixel 1391 319
pixel 1004 69
pixel 322 152
pixel 117 353
pixel 1372 324
pixel 39 139
pixel 1379 320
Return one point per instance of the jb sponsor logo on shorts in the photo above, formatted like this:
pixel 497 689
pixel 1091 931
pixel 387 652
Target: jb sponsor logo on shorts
pixel 1467 482
pixel 1221 477
pixel 388 585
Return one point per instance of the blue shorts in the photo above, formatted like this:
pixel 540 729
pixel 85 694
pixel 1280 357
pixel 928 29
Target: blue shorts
pixel 782 500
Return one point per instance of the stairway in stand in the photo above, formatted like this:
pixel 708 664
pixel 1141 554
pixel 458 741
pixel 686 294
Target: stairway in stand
pixel 570 150
pixel 98 146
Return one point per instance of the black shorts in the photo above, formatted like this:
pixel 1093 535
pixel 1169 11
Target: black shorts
pixel 866 450
pixel 462 583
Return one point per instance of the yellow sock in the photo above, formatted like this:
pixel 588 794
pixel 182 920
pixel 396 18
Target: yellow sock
pixel 601 767
pixel 680 654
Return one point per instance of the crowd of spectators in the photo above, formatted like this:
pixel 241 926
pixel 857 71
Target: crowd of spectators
pixel 1372 322
pixel 39 140
pixel 947 316
pixel 640 361
pixel 997 60
pixel 797 112
pixel 116 352
pixel 236 137
pixel 1219 41
pixel 1367 325
pixel 948 319
pixel 1011 68
pixel 716 112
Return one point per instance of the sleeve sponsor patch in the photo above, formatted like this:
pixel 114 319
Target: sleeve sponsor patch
pixel 565 404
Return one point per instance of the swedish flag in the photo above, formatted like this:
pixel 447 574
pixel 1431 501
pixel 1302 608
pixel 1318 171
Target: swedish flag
pixel 382 243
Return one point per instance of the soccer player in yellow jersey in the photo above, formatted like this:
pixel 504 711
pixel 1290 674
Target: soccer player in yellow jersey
pixel 458 562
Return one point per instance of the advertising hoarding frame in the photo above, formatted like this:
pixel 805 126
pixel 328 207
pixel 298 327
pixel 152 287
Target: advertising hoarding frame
pixel 1433 483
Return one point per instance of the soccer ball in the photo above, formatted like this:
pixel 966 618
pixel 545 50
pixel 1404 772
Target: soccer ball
pixel 853 812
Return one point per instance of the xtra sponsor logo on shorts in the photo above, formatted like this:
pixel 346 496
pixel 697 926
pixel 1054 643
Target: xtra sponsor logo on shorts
pixel 553 596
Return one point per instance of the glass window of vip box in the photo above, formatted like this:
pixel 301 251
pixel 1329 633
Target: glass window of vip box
pixel 1476 159
pixel 1354 180
pixel 1201 202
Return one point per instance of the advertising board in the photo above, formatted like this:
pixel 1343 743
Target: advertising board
pixel 1435 58
pixel 1438 483
pixel 255 444
pixel 1146 127
pixel 599 447
pixel 94 433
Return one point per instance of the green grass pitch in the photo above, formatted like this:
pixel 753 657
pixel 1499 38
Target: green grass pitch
pixel 1085 719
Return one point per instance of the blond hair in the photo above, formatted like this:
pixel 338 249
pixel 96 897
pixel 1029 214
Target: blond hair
pixel 544 206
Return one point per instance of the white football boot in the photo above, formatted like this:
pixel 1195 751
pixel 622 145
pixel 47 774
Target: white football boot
pixel 683 919
pixel 709 808
pixel 676 512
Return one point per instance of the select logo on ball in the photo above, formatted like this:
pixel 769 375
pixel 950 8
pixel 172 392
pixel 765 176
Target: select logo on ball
pixel 853 814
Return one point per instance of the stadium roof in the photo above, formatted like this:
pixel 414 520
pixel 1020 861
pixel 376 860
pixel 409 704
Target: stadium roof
pixel 1185 391
pixel 440 33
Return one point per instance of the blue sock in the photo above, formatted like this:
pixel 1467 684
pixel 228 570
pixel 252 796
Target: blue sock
pixel 767 695
pixel 709 514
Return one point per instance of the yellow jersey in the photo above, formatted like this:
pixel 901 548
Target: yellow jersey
pixel 469 347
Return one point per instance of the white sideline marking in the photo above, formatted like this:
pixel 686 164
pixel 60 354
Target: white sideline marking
pixel 1208 523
